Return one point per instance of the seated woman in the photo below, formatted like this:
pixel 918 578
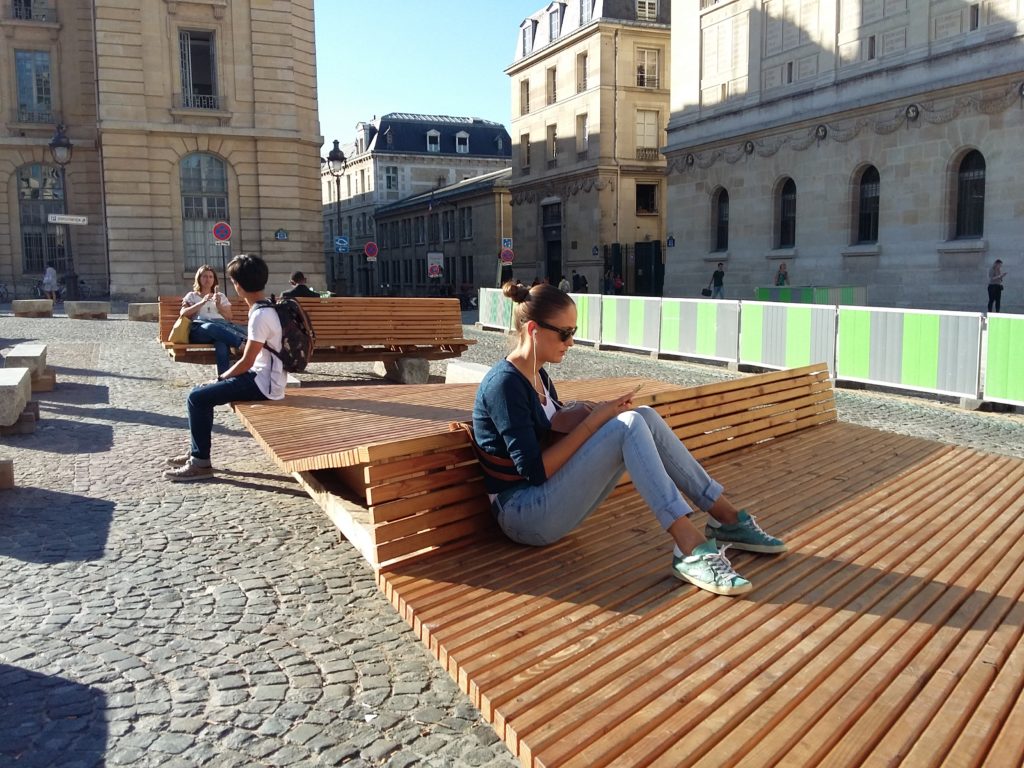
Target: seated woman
pixel 559 485
pixel 208 309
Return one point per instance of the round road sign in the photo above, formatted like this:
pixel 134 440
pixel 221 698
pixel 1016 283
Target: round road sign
pixel 371 250
pixel 506 256
pixel 221 231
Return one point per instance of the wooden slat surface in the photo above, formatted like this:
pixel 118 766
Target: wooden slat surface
pixel 891 634
pixel 324 427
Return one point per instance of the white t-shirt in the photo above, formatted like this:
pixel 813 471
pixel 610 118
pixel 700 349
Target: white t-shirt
pixel 50 279
pixel 265 327
pixel 210 309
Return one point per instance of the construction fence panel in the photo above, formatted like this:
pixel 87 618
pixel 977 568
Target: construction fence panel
pixel 1004 359
pixel 700 328
pixel 631 322
pixel 495 309
pixel 774 335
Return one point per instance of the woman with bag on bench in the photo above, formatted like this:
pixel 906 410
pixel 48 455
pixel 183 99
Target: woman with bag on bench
pixel 208 309
pixel 541 491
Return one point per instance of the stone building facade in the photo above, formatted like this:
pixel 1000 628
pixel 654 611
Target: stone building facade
pixel 868 143
pixel 393 157
pixel 181 113
pixel 590 102
pixel 445 241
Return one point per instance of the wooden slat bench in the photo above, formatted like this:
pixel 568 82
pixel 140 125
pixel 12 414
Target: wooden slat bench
pixel 353 329
pixel 892 632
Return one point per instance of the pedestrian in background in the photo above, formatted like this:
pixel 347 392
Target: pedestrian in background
pixel 718 282
pixel 50 283
pixel 575 281
pixel 299 288
pixel 995 285
pixel 782 276
pixel 563 284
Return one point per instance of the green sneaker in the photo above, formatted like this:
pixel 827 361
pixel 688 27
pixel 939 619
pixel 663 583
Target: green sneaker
pixel 708 568
pixel 747 535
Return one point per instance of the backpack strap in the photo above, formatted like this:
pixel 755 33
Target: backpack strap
pixel 494 466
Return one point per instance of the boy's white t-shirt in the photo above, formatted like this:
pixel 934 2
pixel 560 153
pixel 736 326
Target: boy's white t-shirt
pixel 265 327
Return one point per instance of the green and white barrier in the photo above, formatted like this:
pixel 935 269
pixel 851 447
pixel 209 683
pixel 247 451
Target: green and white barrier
pixel 923 350
pixel 631 322
pixel 774 335
pixel 700 328
pixel 495 309
pixel 588 316
pixel 852 295
pixel 1004 359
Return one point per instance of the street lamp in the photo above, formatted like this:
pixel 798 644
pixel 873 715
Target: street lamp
pixel 336 163
pixel 61 149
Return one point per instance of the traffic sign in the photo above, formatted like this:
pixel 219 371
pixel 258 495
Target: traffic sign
pixel 281 234
pixel 64 218
pixel 506 242
pixel 222 243
pixel 371 250
pixel 221 231
pixel 506 256
pixel 341 244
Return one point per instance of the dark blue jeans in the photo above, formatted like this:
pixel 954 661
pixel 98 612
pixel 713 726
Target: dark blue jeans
pixel 222 334
pixel 203 399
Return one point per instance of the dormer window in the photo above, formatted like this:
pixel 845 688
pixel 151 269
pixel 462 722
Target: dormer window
pixel 528 32
pixel 433 141
pixel 462 143
pixel 553 24
pixel 500 142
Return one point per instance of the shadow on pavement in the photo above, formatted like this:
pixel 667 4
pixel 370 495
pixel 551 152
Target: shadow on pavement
pixel 75 392
pixel 65 371
pixel 47 720
pixel 38 525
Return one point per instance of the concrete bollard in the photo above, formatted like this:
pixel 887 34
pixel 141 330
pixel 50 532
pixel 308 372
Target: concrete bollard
pixel 461 372
pixel 32 308
pixel 29 355
pixel 87 310
pixel 147 313
pixel 6 474
pixel 404 370
pixel 15 392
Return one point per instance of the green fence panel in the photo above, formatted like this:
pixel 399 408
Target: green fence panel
pixel 631 322
pixel 777 335
pixel 495 309
pixel 700 328
pixel 1004 359
pixel 853 295
pixel 588 316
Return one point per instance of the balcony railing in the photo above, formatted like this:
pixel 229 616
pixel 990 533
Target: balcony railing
pixel 199 101
pixel 34 115
pixel 33 10
pixel 647 153
pixel 646 81
pixel 553 162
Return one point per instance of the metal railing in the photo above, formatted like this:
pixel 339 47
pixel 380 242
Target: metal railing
pixel 646 81
pixel 647 153
pixel 33 10
pixel 199 101
pixel 26 115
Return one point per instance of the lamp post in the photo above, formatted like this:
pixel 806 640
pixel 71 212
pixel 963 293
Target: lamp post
pixel 336 165
pixel 61 149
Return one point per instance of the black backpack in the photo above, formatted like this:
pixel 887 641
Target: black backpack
pixel 297 335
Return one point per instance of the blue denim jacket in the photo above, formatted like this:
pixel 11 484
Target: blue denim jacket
pixel 509 421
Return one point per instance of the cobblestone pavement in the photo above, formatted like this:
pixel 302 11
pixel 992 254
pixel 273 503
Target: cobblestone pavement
pixel 225 623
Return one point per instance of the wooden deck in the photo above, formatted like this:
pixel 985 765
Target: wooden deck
pixel 890 634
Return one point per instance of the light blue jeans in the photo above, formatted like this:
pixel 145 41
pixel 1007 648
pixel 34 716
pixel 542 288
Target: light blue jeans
pixel 718 292
pixel 639 441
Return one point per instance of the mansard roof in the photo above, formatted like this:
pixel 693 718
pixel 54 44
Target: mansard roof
pixel 406 133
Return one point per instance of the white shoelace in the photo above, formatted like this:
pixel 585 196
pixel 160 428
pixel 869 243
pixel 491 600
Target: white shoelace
pixel 719 564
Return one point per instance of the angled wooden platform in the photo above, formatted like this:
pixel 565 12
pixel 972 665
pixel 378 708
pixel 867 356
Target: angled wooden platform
pixel 891 634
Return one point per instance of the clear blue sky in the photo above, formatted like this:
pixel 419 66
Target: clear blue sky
pixel 442 57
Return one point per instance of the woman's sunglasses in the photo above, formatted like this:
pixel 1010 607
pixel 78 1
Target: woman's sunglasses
pixel 563 333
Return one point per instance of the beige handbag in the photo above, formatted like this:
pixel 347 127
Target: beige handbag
pixel 180 330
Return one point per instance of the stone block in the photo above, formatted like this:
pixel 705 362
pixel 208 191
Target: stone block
pixel 461 372
pixel 293 381
pixel 29 355
pixel 147 313
pixel 32 308
pixel 6 474
pixel 87 310
pixel 25 425
pixel 404 370
pixel 46 381
pixel 15 392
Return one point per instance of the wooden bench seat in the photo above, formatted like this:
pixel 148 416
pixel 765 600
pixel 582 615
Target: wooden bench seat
pixel 889 634
pixel 353 329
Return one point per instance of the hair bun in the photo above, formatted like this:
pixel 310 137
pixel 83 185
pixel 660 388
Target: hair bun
pixel 516 291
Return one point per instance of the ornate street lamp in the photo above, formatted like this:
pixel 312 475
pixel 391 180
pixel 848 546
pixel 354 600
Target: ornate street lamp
pixel 336 163
pixel 61 150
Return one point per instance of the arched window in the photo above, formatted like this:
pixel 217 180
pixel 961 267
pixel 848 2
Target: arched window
pixel 40 193
pixel 970 196
pixel 787 214
pixel 721 217
pixel 204 202
pixel 867 206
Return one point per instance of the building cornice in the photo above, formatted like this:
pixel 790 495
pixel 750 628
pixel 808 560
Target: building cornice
pixel 602 25
pixel 170 129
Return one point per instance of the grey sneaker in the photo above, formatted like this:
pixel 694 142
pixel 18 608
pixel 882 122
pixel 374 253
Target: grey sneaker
pixel 179 461
pixel 708 568
pixel 189 473
pixel 747 535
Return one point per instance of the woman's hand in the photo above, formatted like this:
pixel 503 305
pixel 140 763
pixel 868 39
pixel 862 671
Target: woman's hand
pixel 609 409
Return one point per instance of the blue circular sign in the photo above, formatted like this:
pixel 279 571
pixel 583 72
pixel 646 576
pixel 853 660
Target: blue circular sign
pixel 370 249
pixel 221 231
